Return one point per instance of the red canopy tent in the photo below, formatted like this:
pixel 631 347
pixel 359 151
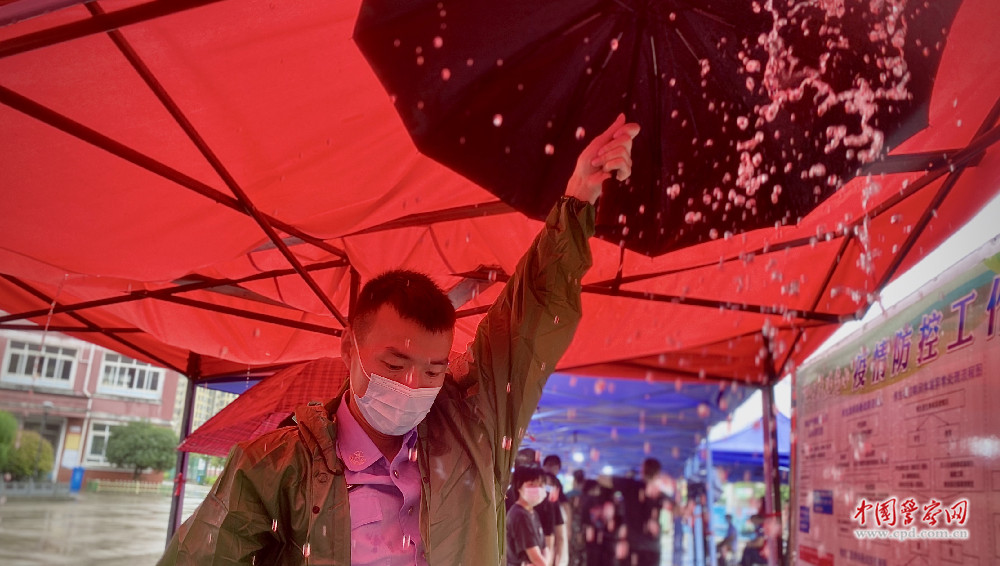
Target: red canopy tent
pixel 202 184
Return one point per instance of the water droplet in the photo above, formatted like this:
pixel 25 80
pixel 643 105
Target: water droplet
pixel 580 133
pixel 274 526
pixel 306 550
pixel 549 149
pixel 555 320
pixel 506 443
pixel 438 42
pixel 692 216
pixel 445 74
pixel 420 60
pixel 497 120
pixel 614 44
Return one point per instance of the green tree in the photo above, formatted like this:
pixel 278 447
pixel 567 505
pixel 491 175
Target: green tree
pixel 8 432
pixel 31 457
pixel 141 445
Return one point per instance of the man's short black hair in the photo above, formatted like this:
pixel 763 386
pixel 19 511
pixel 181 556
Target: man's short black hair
pixel 414 296
pixel 526 457
pixel 552 460
pixel 524 474
pixel 650 468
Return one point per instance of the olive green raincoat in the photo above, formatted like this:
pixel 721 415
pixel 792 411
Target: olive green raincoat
pixel 282 498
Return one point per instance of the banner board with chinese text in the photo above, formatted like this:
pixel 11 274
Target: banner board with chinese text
pixel 897 432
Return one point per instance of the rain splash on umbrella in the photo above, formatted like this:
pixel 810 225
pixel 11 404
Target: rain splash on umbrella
pixel 753 113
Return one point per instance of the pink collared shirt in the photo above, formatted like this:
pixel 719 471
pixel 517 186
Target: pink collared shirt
pixel 384 496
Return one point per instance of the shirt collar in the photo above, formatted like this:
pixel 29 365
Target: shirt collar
pixel 356 449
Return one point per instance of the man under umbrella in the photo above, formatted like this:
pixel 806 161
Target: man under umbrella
pixel 405 465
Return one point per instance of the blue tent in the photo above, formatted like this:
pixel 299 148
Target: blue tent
pixel 609 425
pixel 741 454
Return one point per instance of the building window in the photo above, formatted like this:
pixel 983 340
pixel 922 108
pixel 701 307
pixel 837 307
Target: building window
pixel 122 374
pixel 97 445
pixel 26 360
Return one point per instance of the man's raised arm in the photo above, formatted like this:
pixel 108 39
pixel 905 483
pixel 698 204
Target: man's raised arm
pixel 532 322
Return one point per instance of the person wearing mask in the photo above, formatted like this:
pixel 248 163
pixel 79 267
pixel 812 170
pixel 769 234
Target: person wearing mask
pixel 525 541
pixel 548 511
pixel 405 463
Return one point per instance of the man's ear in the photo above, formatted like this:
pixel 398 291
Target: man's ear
pixel 346 345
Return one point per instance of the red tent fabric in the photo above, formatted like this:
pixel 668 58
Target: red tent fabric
pixel 200 184
pixel 265 405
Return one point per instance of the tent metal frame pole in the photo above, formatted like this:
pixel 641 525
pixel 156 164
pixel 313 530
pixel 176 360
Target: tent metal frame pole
pixel 55 328
pixel 984 138
pixel 181 288
pixel 204 305
pixel 215 162
pixel 61 122
pixel 108 22
pixel 772 481
pixel 691 301
pixel 793 491
pixel 714 304
pixel 493 208
pixel 94 327
pixel 709 497
pixel 819 296
pixel 180 471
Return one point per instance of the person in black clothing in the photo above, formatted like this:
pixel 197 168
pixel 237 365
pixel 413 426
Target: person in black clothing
pixel 603 525
pixel 575 519
pixel 643 501
pixel 525 542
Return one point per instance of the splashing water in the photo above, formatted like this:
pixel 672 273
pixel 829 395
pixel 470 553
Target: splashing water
pixel 796 70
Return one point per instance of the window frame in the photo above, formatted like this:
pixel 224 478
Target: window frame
pixel 54 355
pixel 121 375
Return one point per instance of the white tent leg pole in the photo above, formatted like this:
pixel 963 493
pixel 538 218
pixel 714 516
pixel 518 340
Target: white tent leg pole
pixel 772 481
pixel 710 499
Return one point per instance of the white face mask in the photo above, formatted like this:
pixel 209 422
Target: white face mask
pixel 389 407
pixel 533 495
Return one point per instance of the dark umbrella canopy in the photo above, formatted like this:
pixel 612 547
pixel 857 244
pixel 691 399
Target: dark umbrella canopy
pixel 751 115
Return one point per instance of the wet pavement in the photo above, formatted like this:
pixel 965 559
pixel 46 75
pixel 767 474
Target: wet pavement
pixel 109 529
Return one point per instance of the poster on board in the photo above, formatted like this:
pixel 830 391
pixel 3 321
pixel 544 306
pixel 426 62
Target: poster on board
pixel 897 451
